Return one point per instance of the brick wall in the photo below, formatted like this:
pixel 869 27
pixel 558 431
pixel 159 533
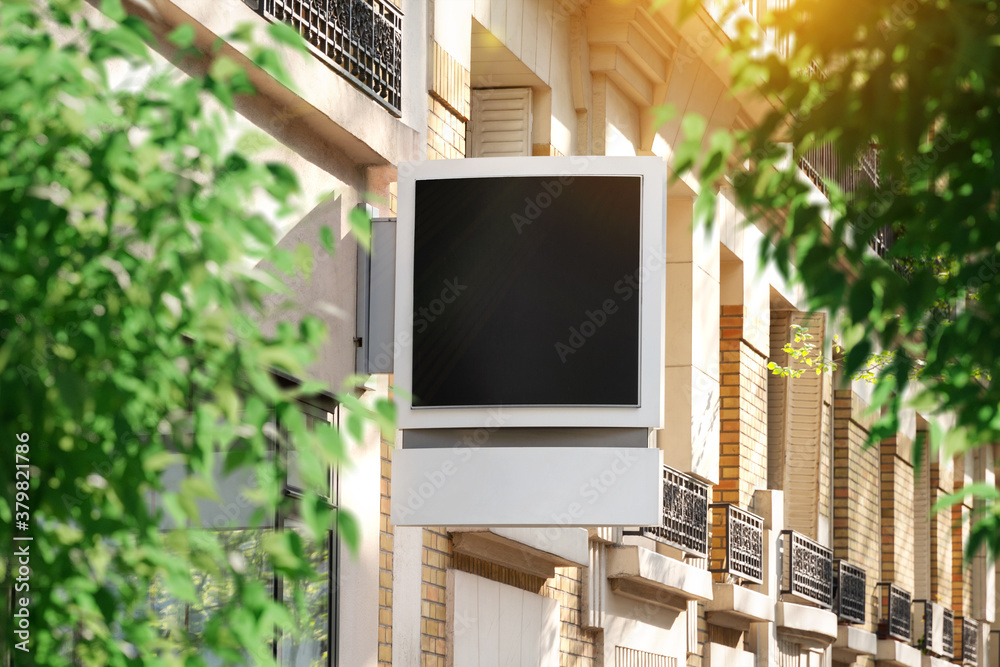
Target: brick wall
pixel 449 102
pixel 743 414
pixel 856 510
pixel 437 558
pixel 961 575
pixel 385 562
pixel 940 543
pixel 897 493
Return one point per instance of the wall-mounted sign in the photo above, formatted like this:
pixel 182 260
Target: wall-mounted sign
pixel 535 285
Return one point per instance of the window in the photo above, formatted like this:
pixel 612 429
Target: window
pixel 315 643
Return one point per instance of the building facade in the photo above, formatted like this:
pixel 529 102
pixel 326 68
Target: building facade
pixel 785 541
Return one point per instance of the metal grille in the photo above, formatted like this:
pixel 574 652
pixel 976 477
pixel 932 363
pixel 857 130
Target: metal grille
pixel 361 39
pixel 894 612
pixel 948 634
pixel 630 657
pixel 742 543
pixel 824 165
pixel 970 641
pixel 685 514
pixel 849 591
pixel 807 569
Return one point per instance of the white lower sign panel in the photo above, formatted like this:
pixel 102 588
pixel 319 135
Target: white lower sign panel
pixel 527 486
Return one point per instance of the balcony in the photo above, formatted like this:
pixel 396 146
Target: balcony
pixel 824 165
pixel 360 39
pixel 740 543
pixel 685 514
pixel 934 628
pixel 970 641
pixel 848 592
pixel 806 569
pixel 894 612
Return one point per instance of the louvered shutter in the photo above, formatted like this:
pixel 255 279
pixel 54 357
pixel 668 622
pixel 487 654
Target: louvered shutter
pixel 795 426
pixel 501 122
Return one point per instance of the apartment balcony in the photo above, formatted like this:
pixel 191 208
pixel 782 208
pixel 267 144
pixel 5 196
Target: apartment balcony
pixel 894 612
pixel 825 166
pixel 894 620
pixel 737 551
pixel 740 548
pixel 849 586
pixel 934 629
pixel 806 570
pixel 970 641
pixel 685 514
pixel 806 591
pixel 849 592
pixel 359 39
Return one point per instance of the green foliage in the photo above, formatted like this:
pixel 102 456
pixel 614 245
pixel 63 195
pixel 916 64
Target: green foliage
pixel 920 82
pixel 130 345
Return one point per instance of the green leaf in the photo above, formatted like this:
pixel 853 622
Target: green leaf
pixel 349 530
pixel 327 239
pixel 287 35
pixel 980 490
pixel 361 227
pixel 182 36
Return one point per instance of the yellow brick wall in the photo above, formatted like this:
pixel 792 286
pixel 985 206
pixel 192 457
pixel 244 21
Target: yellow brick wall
pixel 897 493
pixel 940 560
pixel 436 559
pixel 961 574
pixel 385 563
pixel 856 510
pixel 743 414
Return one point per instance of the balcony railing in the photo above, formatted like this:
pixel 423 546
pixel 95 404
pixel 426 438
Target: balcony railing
pixel 685 514
pixel 970 641
pixel 742 543
pixel 824 165
pixel 948 634
pixel 361 39
pixel 849 591
pixel 806 569
pixel 894 612
pixel 934 628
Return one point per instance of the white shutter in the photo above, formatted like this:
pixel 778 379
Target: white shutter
pixel 501 122
pixel 797 412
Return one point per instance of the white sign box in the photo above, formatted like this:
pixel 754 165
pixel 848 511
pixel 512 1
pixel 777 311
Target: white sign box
pixel 527 486
pixel 531 284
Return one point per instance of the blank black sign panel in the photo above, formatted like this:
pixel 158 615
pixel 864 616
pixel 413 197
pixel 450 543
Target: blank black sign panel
pixel 526 291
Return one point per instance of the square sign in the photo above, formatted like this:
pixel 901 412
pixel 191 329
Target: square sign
pixel 532 286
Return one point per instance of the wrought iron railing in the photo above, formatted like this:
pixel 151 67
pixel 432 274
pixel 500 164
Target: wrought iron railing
pixel 894 612
pixel 361 39
pixel 933 628
pixel 948 634
pixel 824 165
pixel 685 514
pixel 742 544
pixel 970 640
pixel 806 569
pixel 849 591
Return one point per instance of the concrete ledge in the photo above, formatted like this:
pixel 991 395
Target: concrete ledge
pixel 536 551
pixel 814 627
pixel 852 643
pixel 897 654
pixel 737 607
pixel 651 577
pixel 724 656
pixel 931 661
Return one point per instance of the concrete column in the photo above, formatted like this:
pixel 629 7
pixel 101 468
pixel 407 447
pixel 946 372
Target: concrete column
pixel 770 505
pixel 690 439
